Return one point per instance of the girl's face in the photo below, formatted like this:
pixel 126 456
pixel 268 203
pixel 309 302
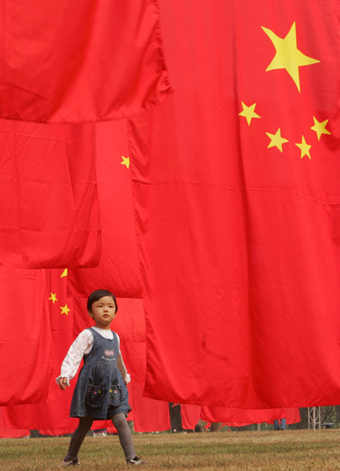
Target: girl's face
pixel 103 312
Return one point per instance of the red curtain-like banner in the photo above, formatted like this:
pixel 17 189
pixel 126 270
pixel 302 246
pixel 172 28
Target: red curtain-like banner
pixel 107 62
pixel 89 62
pixel 48 195
pixel 236 190
pixel 118 269
pixel 228 239
pixel 26 347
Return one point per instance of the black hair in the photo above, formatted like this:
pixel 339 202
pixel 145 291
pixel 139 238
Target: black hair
pixel 96 295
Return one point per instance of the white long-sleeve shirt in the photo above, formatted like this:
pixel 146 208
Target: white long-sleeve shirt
pixel 82 346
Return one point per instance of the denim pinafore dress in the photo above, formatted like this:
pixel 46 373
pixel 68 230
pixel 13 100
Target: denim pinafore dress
pixel 100 391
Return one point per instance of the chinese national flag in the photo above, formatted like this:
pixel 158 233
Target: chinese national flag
pixel 49 415
pixel 236 190
pixel 48 195
pixel 26 345
pixel 118 268
pixel 89 61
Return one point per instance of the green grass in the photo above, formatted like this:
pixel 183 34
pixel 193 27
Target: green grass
pixel 290 450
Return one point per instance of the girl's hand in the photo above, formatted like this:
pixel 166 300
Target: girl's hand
pixel 62 383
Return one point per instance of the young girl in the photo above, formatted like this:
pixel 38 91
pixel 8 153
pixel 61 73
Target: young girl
pixel 101 391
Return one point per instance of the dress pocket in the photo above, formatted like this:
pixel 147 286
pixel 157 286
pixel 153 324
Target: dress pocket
pixel 95 395
pixel 115 395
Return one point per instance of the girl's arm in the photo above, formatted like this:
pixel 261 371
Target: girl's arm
pixel 121 366
pixel 80 347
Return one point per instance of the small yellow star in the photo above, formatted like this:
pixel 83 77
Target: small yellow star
pixel 249 112
pixel 53 297
pixel 276 140
pixel 320 128
pixel 288 55
pixel 64 310
pixel 126 161
pixel 64 273
pixel 304 148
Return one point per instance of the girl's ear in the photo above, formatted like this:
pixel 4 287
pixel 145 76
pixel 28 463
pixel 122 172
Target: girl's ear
pixel 90 314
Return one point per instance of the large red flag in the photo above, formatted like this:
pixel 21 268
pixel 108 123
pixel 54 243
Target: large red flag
pixel 26 357
pixel 66 62
pixel 53 414
pixel 118 268
pixel 236 190
pixel 48 195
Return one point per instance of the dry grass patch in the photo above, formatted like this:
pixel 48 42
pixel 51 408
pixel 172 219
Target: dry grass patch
pixel 291 450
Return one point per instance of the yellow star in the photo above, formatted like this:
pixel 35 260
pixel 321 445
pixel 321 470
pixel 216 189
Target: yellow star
pixel 320 128
pixel 64 273
pixel 64 310
pixel 288 55
pixel 276 140
pixel 248 112
pixel 53 297
pixel 304 148
pixel 126 161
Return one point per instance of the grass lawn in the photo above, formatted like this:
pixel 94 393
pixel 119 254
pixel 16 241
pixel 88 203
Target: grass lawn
pixel 286 450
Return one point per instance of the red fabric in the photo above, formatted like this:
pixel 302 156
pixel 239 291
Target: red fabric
pixel 235 417
pixel 100 60
pixel 118 268
pixel 292 416
pixel 239 417
pixel 53 415
pixel 150 415
pixel 26 360
pixel 6 432
pixel 48 195
pixel 55 433
pixel 190 415
pixel 239 242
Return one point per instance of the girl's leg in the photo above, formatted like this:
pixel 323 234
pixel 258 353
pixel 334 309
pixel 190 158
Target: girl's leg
pixel 125 435
pixel 78 437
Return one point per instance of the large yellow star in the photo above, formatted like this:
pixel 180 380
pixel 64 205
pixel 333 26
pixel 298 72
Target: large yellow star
pixel 248 112
pixel 288 55
pixel 304 148
pixel 276 140
pixel 53 297
pixel 320 128
pixel 126 161
pixel 64 310
pixel 64 273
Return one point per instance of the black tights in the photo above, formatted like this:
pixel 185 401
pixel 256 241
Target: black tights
pixel 85 423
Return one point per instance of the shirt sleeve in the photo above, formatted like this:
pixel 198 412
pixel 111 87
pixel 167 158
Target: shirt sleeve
pixel 80 347
pixel 121 366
